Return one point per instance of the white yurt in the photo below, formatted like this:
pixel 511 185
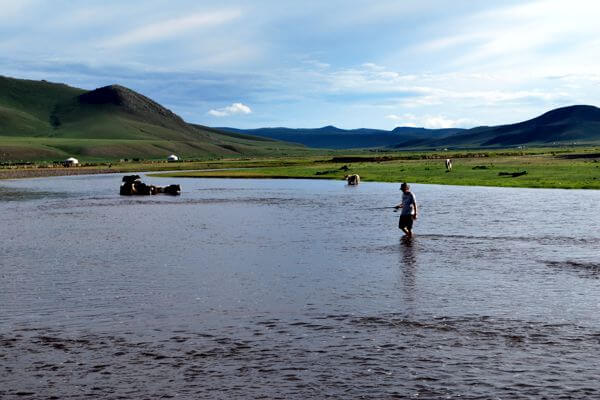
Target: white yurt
pixel 172 157
pixel 71 161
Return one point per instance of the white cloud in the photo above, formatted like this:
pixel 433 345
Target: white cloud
pixel 381 84
pixel 12 10
pixel 370 78
pixel 403 120
pixel 317 64
pixel 235 108
pixel 373 66
pixel 528 36
pixel 171 28
pixel 440 121
pixel 394 117
pixel 428 121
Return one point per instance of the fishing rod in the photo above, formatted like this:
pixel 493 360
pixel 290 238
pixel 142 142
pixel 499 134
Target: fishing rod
pixel 382 208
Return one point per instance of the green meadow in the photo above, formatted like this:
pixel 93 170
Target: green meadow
pixel 569 168
pixel 540 168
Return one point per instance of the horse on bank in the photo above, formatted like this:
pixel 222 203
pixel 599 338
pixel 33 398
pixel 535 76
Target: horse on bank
pixel 448 165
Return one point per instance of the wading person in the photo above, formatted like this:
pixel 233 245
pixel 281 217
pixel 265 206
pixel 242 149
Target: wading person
pixel 409 209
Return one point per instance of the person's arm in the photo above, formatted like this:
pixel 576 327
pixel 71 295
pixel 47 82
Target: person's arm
pixel 415 207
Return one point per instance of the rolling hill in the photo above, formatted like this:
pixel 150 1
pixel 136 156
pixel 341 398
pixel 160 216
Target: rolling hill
pixel 43 120
pixel 565 125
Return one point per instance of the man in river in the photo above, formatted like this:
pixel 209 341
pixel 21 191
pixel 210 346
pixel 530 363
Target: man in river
pixel 409 210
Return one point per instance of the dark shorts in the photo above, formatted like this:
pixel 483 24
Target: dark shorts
pixel 406 221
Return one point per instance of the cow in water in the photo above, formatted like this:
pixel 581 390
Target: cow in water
pixel 353 179
pixel 448 165
pixel 133 185
pixel 130 182
pixel 174 190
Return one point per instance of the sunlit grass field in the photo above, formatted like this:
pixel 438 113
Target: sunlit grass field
pixel 545 168
pixel 572 168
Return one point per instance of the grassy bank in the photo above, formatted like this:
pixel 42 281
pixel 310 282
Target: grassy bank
pixel 42 169
pixel 544 168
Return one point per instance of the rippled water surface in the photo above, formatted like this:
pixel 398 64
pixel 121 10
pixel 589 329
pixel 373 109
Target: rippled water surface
pixel 296 289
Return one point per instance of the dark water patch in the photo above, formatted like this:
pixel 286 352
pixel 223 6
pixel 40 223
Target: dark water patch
pixel 17 195
pixel 221 189
pixel 468 243
pixel 375 356
pixel 153 201
pixel 581 268
pixel 543 240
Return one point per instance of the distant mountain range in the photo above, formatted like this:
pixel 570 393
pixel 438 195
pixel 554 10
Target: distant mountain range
pixel 330 137
pixel 43 120
pixel 579 123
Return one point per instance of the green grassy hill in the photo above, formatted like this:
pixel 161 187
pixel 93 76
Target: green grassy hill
pixel 40 120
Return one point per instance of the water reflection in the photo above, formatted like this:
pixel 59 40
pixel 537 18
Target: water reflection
pixel 408 266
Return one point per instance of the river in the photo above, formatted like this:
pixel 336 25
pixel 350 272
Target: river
pixel 296 289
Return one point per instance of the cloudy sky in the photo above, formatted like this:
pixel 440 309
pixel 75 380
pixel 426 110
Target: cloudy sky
pixel 348 63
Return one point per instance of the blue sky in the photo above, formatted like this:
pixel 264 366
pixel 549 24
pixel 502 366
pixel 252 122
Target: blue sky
pixel 352 64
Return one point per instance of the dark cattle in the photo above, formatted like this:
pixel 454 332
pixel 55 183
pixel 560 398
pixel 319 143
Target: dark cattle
pixel 134 186
pixel 142 189
pixel 174 190
pixel 126 189
pixel 131 178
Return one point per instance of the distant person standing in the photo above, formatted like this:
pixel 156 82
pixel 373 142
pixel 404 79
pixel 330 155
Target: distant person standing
pixel 409 210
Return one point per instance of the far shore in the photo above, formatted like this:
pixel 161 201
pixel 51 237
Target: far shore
pixel 21 173
pixel 574 168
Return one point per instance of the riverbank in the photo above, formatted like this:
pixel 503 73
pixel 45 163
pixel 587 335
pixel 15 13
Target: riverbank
pixel 569 170
pixel 576 168
pixel 44 170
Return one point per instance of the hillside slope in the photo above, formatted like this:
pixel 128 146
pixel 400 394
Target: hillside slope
pixel 43 120
pixel 565 125
pixel 26 106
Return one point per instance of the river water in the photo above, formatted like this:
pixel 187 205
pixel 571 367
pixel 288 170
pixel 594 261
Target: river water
pixel 296 289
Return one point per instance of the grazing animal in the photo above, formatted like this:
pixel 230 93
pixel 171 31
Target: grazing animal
pixel 353 179
pixel 448 164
